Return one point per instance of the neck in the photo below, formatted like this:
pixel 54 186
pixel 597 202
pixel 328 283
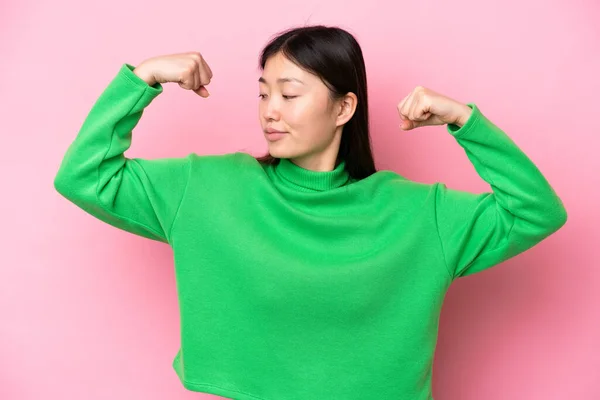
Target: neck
pixel 324 161
pixel 312 180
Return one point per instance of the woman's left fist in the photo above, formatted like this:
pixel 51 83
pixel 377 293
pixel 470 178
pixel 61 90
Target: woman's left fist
pixel 424 107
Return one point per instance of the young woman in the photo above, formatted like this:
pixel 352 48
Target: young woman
pixel 306 273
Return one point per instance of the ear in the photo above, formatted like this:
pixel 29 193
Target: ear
pixel 346 108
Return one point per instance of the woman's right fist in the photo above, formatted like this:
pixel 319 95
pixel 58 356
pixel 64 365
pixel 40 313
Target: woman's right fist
pixel 190 70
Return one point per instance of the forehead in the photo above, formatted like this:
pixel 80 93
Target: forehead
pixel 278 70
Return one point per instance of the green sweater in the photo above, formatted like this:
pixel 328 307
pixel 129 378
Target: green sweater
pixel 302 285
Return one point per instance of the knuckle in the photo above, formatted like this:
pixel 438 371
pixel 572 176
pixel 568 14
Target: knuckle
pixel 196 55
pixel 185 79
pixel 205 77
pixel 191 68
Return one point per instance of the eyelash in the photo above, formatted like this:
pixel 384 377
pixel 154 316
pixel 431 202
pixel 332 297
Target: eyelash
pixel 285 97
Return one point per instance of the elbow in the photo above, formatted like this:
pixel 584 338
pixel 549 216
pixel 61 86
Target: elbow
pixel 562 219
pixel 61 184
pixel 548 218
pixel 65 183
pixel 558 218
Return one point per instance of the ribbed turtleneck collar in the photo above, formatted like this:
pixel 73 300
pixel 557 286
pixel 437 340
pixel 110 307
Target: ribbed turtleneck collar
pixel 312 180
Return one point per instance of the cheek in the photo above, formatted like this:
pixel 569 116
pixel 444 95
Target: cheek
pixel 301 114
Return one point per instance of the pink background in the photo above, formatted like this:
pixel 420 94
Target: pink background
pixel 90 312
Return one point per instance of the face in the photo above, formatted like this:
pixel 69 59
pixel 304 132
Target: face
pixel 296 102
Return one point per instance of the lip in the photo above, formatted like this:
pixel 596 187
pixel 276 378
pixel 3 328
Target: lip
pixel 273 136
pixel 272 130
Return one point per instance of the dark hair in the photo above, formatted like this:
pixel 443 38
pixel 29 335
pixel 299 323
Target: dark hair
pixel 334 55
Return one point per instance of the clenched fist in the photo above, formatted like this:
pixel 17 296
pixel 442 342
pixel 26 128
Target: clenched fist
pixel 423 107
pixel 189 70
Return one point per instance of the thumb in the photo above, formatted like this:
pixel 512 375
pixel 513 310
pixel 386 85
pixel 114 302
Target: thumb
pixel 407 124
pixel 201 91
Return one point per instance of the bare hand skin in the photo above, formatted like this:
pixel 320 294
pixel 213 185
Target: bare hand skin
pixel 424 107
pixel 189 70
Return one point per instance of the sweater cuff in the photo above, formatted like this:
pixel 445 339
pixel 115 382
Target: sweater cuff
pixel 126 71
pixel 457 131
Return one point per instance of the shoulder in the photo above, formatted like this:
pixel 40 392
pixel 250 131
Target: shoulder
pixel 392 185
pixel 394 181
pixel 222 164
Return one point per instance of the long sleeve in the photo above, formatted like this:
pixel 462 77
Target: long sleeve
pixel 478 231
pixel 137 195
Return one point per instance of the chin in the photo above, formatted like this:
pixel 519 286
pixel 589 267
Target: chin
pixel 277 153
pixel 280 153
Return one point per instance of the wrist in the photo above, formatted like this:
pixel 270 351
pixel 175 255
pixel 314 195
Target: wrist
pixel 144 74
pixel 463 117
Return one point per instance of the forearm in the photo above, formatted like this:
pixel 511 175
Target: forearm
pixel 519 186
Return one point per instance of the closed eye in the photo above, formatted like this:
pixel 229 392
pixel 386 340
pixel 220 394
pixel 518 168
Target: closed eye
pixel 284 96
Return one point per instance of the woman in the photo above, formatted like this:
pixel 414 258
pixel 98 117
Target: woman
pixel 306 273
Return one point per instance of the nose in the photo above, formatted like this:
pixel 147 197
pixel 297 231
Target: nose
pixel 270 109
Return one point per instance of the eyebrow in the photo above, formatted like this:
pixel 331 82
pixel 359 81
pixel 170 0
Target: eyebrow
pixel 281 80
